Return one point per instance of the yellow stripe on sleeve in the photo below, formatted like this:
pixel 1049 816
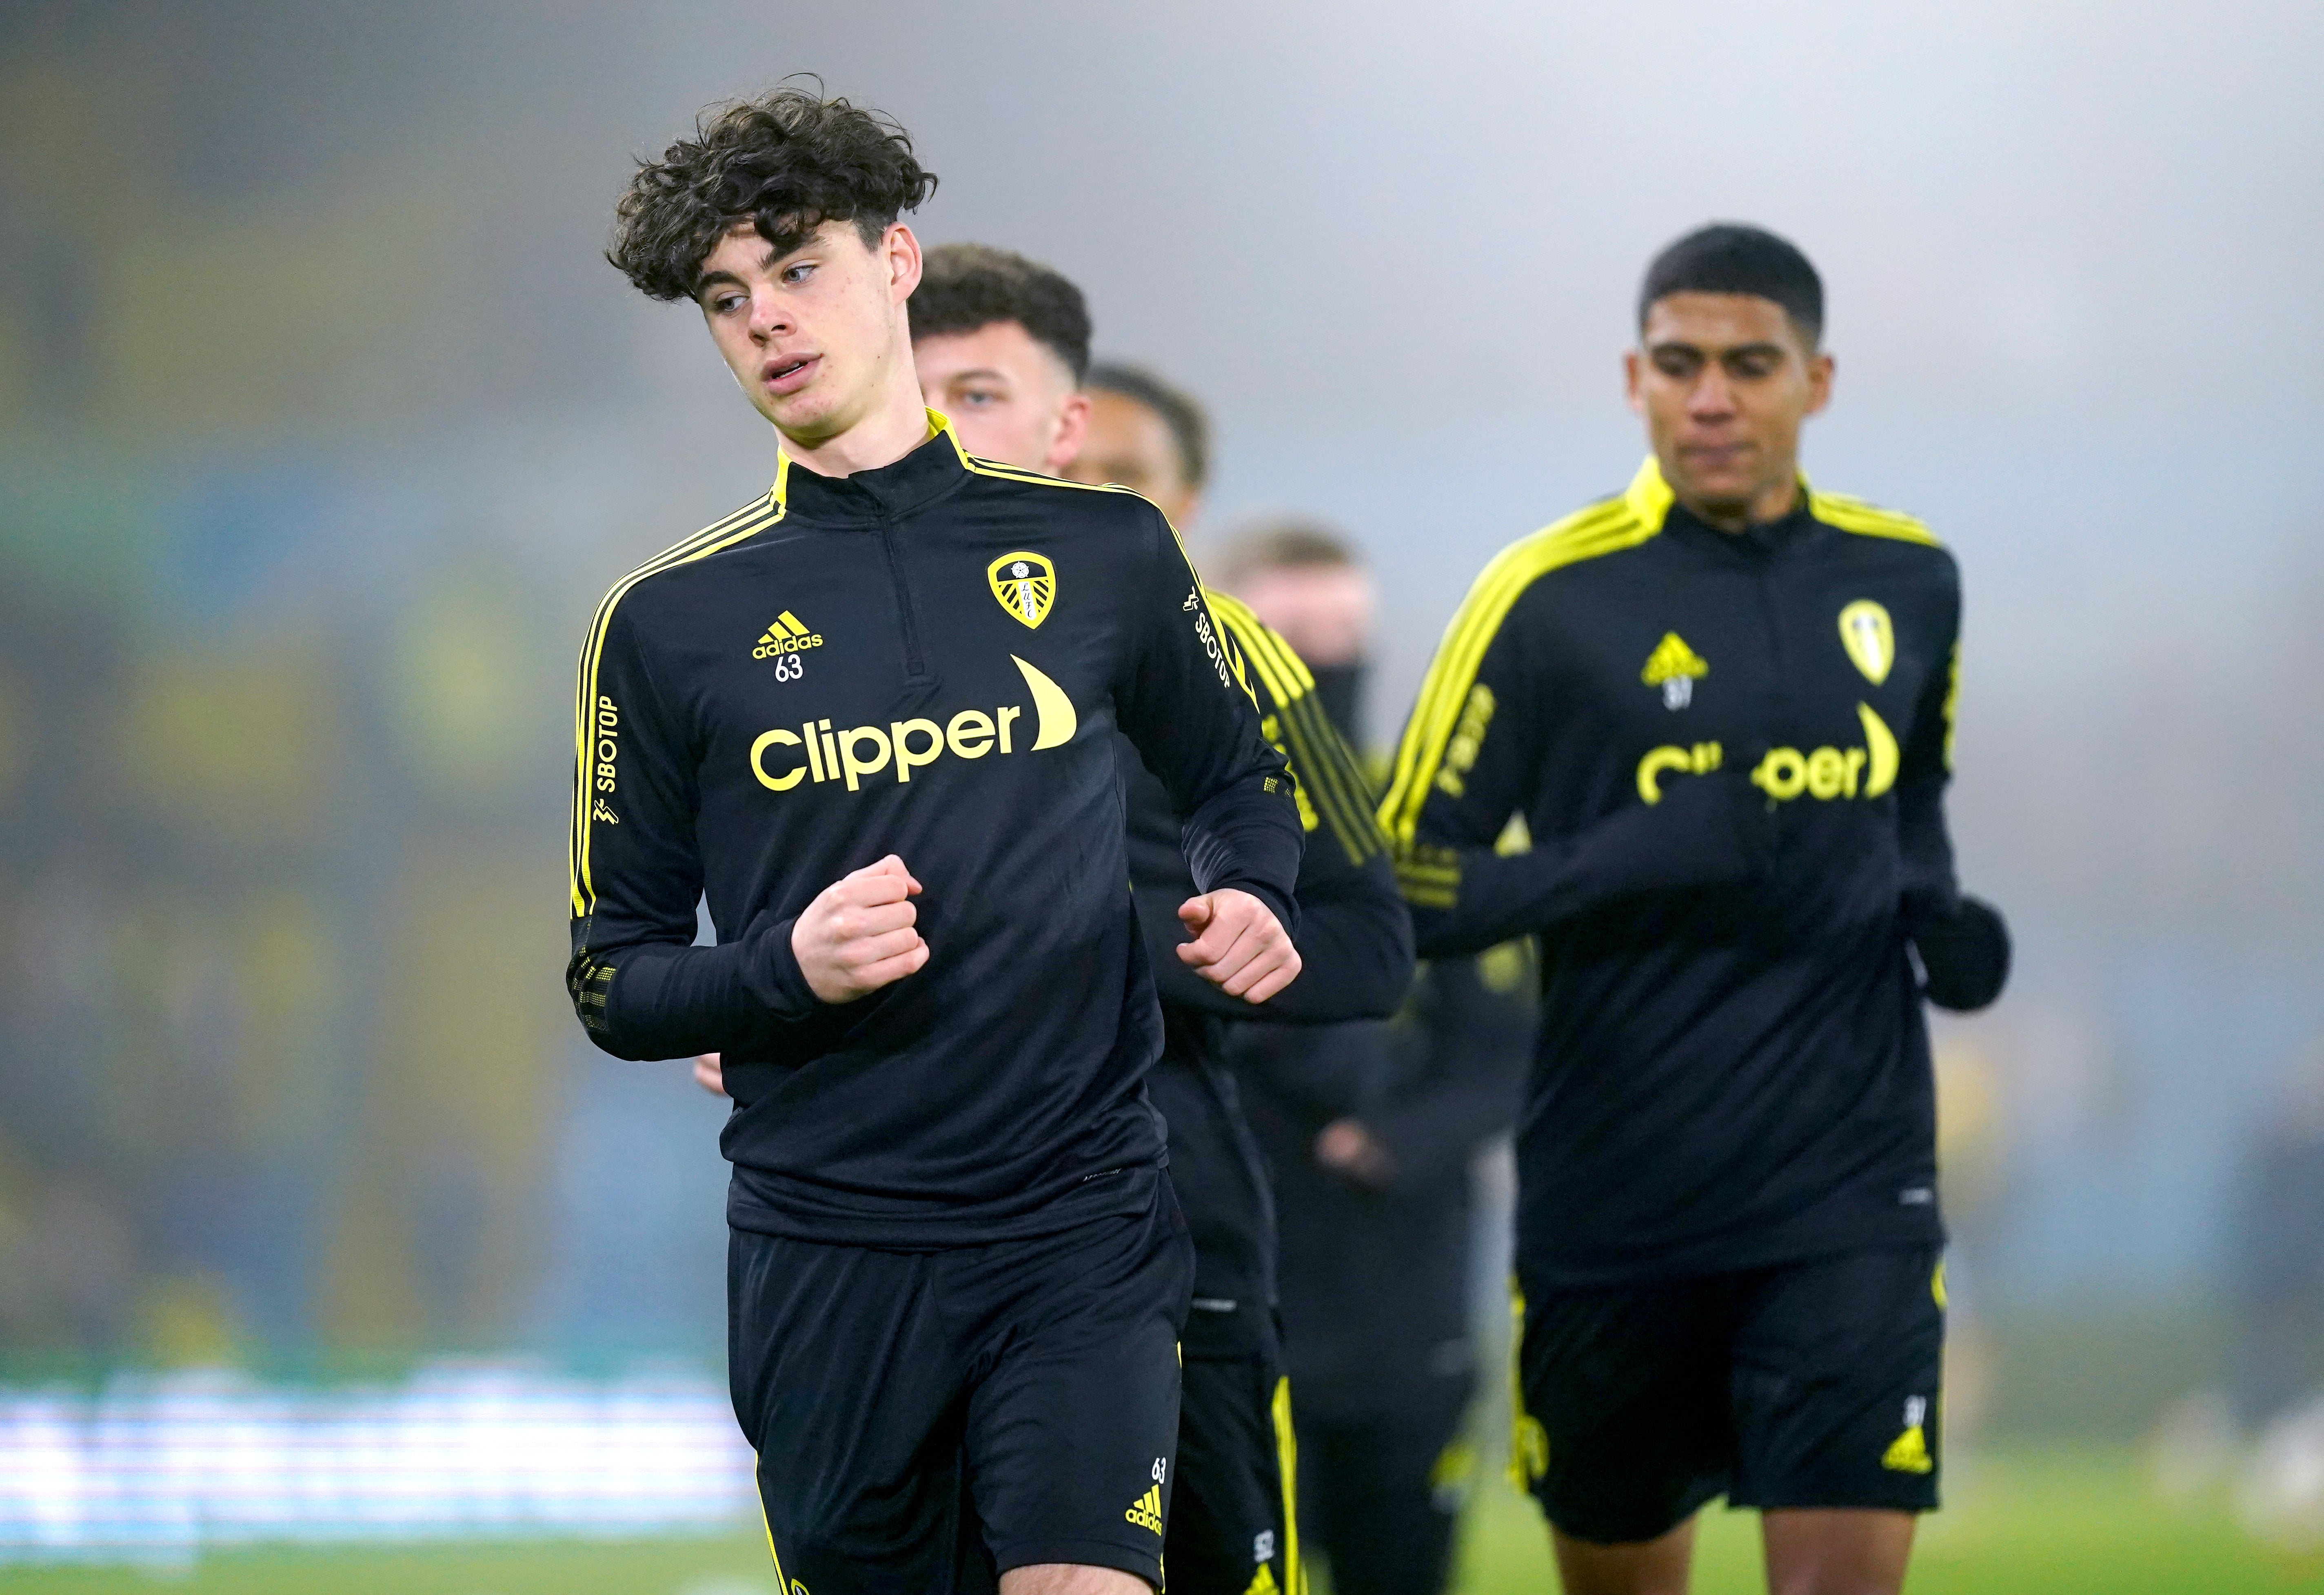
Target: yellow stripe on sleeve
pixel 748 522
pixel 1286 1466
pixel 1600 529
pixel 1333 783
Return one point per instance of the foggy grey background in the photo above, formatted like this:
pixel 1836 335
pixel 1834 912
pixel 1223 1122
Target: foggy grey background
pixel 304 327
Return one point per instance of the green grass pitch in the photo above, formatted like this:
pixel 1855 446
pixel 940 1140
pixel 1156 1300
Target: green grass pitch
pixel 2054 1521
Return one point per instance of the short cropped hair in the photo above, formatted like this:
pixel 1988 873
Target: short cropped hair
pixel 1190 429
pixel 1282 542
pixel 1729 257
pixel 967 286
pixel 785 163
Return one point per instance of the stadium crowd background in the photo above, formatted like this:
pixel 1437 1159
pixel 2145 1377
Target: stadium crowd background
pixel 322 425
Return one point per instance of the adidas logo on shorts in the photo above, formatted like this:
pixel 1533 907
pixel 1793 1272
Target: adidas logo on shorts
pixel 1145 1511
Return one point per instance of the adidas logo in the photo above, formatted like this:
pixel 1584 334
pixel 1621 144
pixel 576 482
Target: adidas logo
pixel 1262 1582
pixel 1672 656
pixel 789 634
pixel 1674 667
pixel 1145 1511
pixel 1910 1454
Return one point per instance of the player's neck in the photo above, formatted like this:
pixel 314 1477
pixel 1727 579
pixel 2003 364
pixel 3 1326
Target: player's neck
pixel 1768 505
pixel 896 424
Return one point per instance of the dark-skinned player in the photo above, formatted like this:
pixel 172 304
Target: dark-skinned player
pixel 1722 702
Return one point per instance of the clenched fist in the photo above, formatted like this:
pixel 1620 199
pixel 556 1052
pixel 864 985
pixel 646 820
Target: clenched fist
pixel 858 934
pixel 1238 947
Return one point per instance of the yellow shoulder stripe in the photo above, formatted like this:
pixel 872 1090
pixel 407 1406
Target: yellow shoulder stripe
pixel 1321 762
pixel 1009 473
pixel 1001 472
pixel 1282 670
pixel 1599 529
pixel 1853 514
pixel 748 522
pixel 985 467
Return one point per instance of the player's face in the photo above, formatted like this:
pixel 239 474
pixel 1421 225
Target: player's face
pixel 814 336
pixel 1324 611
pixel 1010 398
pixel 1724 381
pixel 1133 446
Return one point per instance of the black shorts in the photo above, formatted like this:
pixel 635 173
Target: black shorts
pixel 926 1421
pixel 1233 1522
pixel 1811 1384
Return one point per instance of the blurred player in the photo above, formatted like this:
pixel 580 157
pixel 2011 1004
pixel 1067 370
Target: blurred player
pixel 1372 1130
pixel 1723 702
pixel 1007 342
pixel 867 716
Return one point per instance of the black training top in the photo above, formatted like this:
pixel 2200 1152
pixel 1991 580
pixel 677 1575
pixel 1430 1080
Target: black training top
pixel 1355 947
pixel 1733 1067
pixel 929 660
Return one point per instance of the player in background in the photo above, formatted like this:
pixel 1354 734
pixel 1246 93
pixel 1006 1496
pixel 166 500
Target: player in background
pixel 1372 1130
pixel 1004 342
pixel 1722 701
pixel 870 717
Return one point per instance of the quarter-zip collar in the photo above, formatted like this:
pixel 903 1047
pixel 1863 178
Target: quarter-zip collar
pixel 1656 507
pixel 936 467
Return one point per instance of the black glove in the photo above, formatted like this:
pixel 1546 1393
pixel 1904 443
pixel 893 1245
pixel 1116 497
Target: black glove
pixel 1709 830
pixel 1965 954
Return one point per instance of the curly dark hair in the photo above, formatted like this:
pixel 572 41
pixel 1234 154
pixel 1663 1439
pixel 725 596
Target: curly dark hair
pixel 787 162
pixel 966 286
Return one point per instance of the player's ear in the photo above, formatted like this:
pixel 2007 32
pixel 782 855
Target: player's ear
pixel 1821 370
pixel 901 251
pixel 1633 369
pixel 1073 431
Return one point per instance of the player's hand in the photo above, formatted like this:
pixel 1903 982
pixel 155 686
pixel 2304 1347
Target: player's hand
pixel 1346 1147
pixel 710 1075
pixel 858 934
pixel 1708 830
pixel 1238 947
pixel 1965 954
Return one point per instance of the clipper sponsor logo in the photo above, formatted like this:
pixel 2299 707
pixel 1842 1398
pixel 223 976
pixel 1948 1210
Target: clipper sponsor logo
pixel 1871 641
pixel 607 726
pixel 1468 737
pixel 1826 773
pixel 1674 667
pixel 782 757
pixel 1700 760
pixel 1786 773
pixel 1026 585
